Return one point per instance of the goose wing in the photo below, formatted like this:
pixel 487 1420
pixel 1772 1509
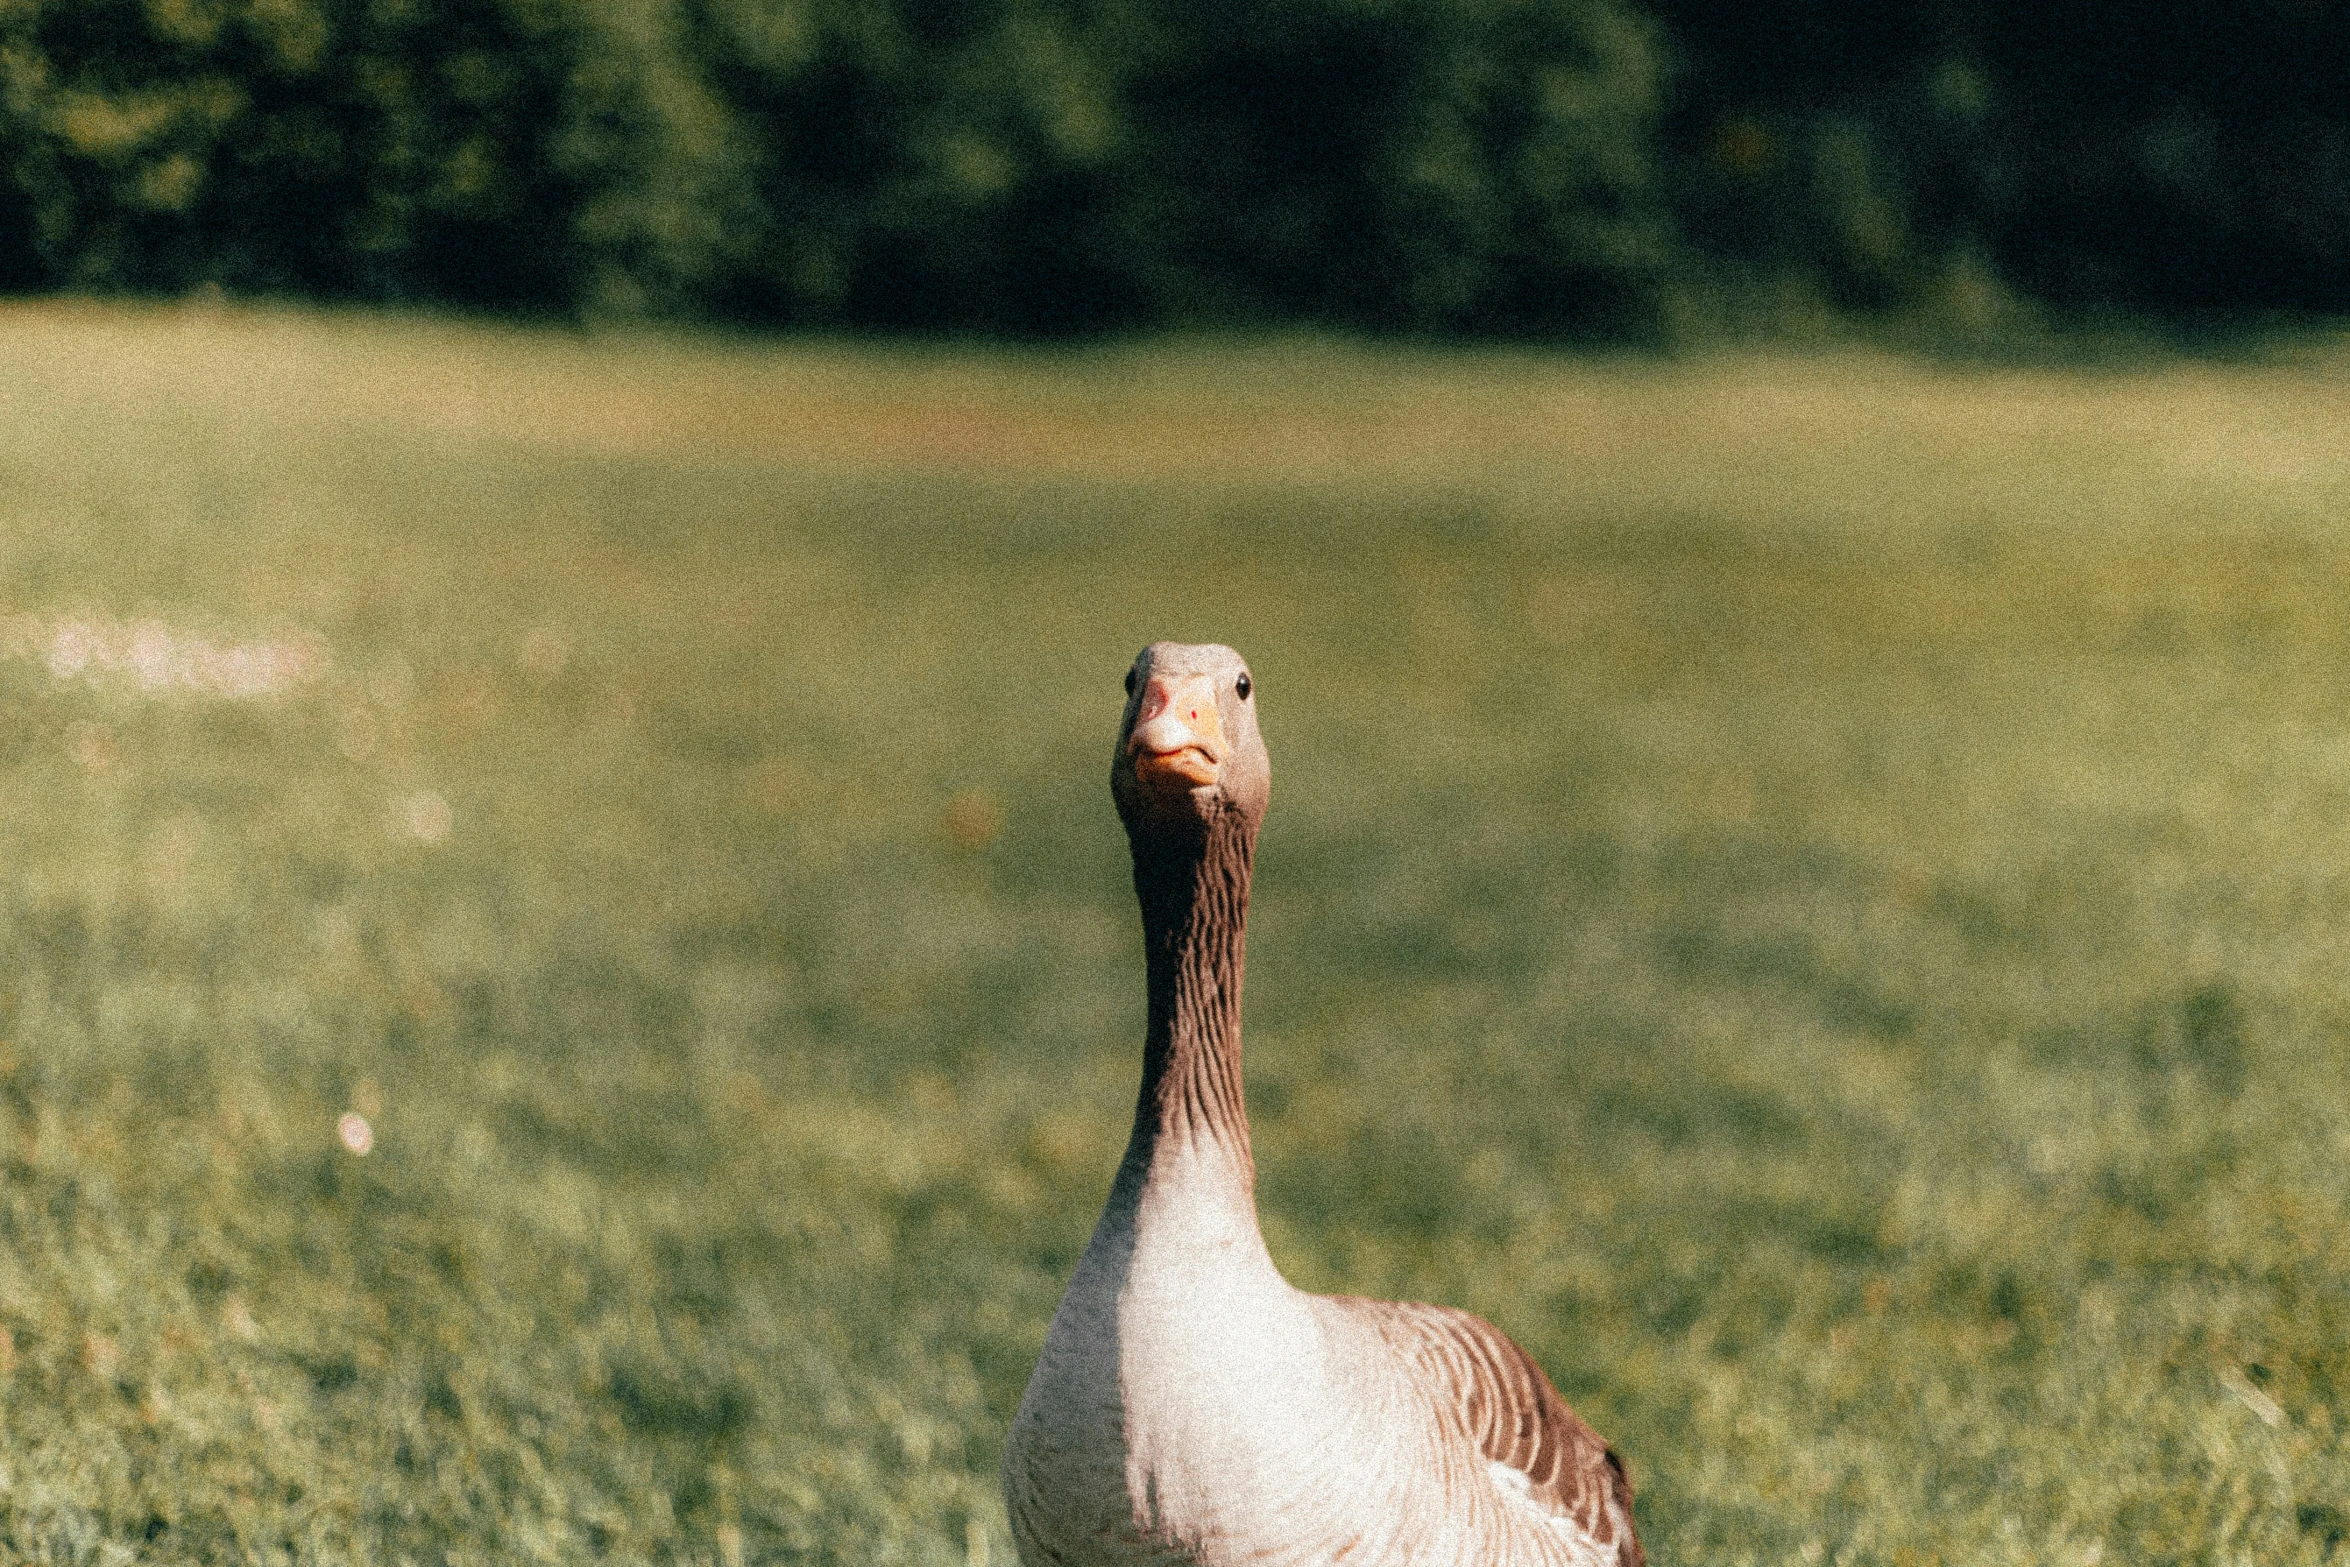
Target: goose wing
pixel 1519 1421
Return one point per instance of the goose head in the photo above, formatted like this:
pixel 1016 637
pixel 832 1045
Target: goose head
pixel 1188 747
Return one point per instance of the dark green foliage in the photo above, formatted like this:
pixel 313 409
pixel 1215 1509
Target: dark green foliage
pixel 2166 157
pixel 1535 167
pixel 1029 164
pixel 1045 166
pixel 1436 164
pixel 381 150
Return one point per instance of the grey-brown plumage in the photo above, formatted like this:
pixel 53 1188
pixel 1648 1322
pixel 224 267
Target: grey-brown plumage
pixel 1190 1406
pixel 1516 1418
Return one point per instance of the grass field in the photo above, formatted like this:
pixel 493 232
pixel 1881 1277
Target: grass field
pixel 1813 891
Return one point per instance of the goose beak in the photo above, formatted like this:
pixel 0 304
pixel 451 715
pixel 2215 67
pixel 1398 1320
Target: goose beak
pixel 1178 739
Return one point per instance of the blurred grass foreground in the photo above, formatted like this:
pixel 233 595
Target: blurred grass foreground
pixel 571 992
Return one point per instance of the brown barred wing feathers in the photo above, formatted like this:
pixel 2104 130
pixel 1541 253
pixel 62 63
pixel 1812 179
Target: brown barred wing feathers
pixel 1508 1408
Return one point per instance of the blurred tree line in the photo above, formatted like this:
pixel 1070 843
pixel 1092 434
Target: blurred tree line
pixel 1511 166
pixel 2152 155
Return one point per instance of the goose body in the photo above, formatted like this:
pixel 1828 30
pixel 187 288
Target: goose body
pixel 1192 1407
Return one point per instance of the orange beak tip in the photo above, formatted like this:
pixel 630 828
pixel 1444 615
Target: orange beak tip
pixel 1189 767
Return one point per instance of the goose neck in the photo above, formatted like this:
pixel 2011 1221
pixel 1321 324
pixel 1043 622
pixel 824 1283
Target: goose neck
pixel 1194 895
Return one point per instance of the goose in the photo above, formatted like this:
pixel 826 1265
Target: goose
pixel 1191 1406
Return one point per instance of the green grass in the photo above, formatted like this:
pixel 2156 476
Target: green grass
pixel 1813 891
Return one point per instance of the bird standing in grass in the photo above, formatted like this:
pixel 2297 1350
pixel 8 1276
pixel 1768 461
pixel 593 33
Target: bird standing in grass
pixel 1190 1405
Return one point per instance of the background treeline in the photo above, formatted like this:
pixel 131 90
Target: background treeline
pixel 1513 166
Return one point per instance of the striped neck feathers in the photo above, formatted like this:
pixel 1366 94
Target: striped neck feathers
pixel 1193 886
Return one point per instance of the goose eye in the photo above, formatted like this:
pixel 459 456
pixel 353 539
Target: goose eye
pixel 1130 682
pixel 1241 687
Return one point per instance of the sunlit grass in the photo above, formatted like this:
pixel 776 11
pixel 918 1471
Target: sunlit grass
pixel 1812 891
